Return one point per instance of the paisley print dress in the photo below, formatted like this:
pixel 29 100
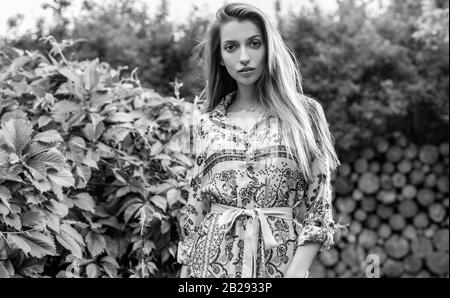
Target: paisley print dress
pixel 241 218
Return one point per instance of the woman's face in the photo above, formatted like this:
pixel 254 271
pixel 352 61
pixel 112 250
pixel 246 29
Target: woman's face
pixel 243 51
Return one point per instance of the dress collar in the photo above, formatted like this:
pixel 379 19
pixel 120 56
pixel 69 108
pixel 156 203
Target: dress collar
pixel 221 109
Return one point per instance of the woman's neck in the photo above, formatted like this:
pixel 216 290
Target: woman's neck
pixel 246 96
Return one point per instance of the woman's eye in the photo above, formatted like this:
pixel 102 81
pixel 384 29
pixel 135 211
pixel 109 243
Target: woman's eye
pixel 255 44
pixel 229 47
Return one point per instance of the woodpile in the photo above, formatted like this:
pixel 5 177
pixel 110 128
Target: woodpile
pixel 394 196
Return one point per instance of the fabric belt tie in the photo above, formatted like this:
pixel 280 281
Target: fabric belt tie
pixel 257 222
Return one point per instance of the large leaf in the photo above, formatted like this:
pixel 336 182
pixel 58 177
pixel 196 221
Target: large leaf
pixel 3 272
pixel 58 208
pixel 92 270
pixel 159 201
pixel 66 111
pixel 49 136
pixel 70 239
pixel 84 201
pixel 5 196
pixel 95 243
pixel 38 181
pixel 51 158
pixel 34 219
pixel 33 243
pixel 62 177
pixel 17 134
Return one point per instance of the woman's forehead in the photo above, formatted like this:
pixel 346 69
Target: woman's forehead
pixel 239 31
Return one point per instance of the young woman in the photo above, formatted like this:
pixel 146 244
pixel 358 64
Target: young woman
pixel 264 151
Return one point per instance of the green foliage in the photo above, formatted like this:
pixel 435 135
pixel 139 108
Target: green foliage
pixel 375 75
pixel 92 174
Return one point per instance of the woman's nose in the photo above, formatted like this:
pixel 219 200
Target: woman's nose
pixel 244 59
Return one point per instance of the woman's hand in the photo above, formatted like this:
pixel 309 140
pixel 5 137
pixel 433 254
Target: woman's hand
pixel 290 273
pixel 184 273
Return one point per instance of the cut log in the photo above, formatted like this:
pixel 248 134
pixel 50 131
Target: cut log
pixel 412 264
pixel 397 222
pixel 341 268
pixel 430 180
pixel 344 169
pixel 392 268
pixel 329 257
pixel 345 205
pixel 421 247
pixel 411 152
pixel 343 185
pixel 388 168
pixel 367 239
pixel 368 153
pixel 428 154
pixel 437 212
pixel 357 195
pixel 417 164
pixel 409 192
pixel 354 177
pixel 369 183
pixel 400 139
pixel 438 169
pixel 394 154
pixel 384 211
pixel 374 167
pixel 386 182
pixel 361 165
pixel 408 208
pixel 369 204
pixel 317 270
pixel 350 257
pixel 398 180
pixel 373 221
pixel 382 145
pixel 423 274
pixel 443 149
pixel 396 247
pixel 384 231
pixel 409 232
pixel 430 231
pixel 386 197
pixel 440 240
pixel 442 184
pixel 438 262
pixel 360 215
pixel 425 197
pixel 417 177
pixel 355 227
pixel 421 220
pixel 404 166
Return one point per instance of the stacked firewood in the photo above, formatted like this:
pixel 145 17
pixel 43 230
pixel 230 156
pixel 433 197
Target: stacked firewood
pixel 394 196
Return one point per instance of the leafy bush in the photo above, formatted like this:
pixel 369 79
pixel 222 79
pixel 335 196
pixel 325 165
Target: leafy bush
pixel 92 174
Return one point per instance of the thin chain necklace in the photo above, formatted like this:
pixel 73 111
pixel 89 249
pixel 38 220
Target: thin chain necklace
pixel 245 108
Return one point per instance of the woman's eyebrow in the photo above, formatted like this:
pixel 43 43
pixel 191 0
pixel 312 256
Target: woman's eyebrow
pixel 251 37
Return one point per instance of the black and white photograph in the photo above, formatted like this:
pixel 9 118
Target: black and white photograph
pixel 234 140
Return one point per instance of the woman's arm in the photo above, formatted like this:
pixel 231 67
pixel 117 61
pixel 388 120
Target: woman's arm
pixel 302 260
pixel 318 224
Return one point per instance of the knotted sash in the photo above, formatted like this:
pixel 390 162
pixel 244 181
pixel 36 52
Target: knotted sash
pixel 257 222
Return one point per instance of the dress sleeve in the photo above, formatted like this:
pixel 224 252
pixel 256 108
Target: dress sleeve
pixel 197 205
pixel 318 224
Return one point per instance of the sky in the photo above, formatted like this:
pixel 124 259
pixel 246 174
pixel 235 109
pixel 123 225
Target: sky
pixel 178 10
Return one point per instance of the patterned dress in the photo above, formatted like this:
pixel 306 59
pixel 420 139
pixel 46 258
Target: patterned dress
pixel 244 190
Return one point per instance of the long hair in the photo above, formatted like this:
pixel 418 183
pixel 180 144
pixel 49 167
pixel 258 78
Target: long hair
pixel 279 90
